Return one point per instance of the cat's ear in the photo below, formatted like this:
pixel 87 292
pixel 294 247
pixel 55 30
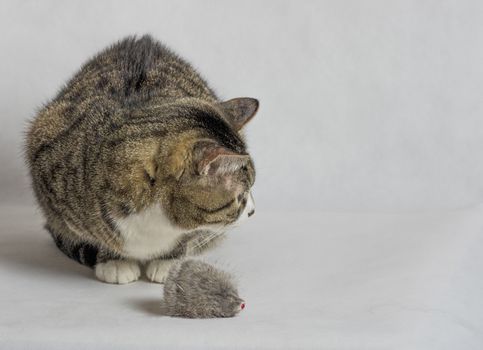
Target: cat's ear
pixel 239 111
pixel 213 159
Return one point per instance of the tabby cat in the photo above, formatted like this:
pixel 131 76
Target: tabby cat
pixel 136 162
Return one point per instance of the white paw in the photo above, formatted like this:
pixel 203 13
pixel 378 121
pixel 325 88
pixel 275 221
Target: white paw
pixel 118 271
pixel 157 270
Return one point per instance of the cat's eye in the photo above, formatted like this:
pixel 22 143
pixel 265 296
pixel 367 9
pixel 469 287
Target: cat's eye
pixel 242 197
pixel 222 207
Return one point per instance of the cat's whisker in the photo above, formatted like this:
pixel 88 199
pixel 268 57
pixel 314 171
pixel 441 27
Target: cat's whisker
pixel 212 235
pixel 207 239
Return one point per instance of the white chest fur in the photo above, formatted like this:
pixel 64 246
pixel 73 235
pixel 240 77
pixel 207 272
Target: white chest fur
pixel 148 234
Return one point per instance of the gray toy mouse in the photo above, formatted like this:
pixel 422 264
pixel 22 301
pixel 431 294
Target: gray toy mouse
pixel 196 289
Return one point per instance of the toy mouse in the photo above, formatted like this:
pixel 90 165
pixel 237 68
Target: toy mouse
pixel 195 289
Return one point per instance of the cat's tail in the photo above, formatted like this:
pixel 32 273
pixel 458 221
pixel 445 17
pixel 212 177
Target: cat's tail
pixel 82 252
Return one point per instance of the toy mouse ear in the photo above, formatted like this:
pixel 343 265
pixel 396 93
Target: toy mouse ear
pixel 240 111
pixel 213 159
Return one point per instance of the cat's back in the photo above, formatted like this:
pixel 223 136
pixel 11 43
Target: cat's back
pixel 129 74
pixel 135 70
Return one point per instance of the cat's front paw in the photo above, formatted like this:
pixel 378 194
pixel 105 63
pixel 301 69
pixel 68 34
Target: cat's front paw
pixel 157 270
pixel 118 271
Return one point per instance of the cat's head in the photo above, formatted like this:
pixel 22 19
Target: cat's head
pixel 199 170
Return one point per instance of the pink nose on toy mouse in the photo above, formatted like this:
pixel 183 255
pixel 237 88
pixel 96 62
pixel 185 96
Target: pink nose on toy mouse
pixel 242 306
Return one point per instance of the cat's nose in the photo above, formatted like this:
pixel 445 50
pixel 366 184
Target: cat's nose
pixel 250 209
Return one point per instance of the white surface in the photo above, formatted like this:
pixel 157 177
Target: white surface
pixel 321 280
pixel 365 105
pixel 371 104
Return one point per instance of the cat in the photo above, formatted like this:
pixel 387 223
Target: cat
pixel 136 162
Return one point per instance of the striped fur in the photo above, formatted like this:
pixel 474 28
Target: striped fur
pixel 136 127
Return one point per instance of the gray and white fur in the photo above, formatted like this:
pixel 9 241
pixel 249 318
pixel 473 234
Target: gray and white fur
pixel 195 289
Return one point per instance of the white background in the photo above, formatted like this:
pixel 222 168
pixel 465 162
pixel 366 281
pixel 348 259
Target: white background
pixel 368 145
pixel 364 104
